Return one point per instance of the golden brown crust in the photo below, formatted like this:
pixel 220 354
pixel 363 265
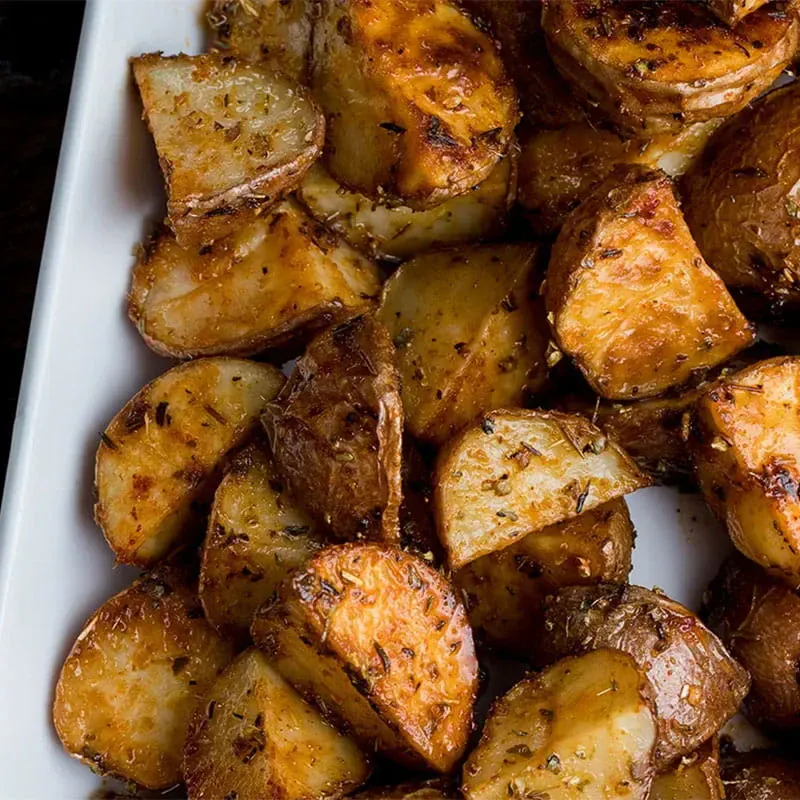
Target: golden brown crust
pixel 336 431
pixel 395 630
pixel 631 299
pixel 698 686
pixel 694 777
pixel 761 775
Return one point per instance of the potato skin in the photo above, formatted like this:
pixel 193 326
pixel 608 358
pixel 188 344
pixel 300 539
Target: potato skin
pixel 694 777
pixel 698 686
pixel 609 51
pixel 505 591
pixel 631 299
pixel 399 632
pixel 750 479
pixel 336 431
pixel 731 11
pixel 756 616
pixel 742 203
pixel 421 120
pixel 131 681
pixel 761 775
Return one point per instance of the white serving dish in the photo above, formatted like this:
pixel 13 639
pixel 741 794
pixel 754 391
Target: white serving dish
pixel 84 361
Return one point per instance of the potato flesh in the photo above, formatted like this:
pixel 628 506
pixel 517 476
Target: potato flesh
pixel 271 281
pixel 397 629
pixel 469 331
pixel 582 729
pixel 229 136
pixel 631 299
pixel 505 591
pixel 257 534
pixel 162 451
pixel 745 439
pixel 399 232
pixel 254 736
pixel 131 681
pixel 515 472
pixel 610 52
pixel 422 120
pixel 694 777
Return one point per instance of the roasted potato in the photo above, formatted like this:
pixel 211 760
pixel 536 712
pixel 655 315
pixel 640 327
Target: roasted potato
pixel 584 729
pixel 505 591
pixel 694 777
pixel 731 11
pixel 273 281
pixel 336 431
pixel 231 137
pixel 133 678
pixel 758 619
pixel 379 640
pixel 431 790
pixel 698 686
pixel 397 232
pixel 515 472
pixel 256 535
pixel 743 204
pixel 761 775
pixel 254 737
pixel 276 33
pixel 162 452
pixel 420 120
pixel 745 437
pixel 629 296
pixel 470 333
pixel 651 67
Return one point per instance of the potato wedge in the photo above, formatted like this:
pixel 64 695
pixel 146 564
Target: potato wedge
pixel 584 729
pixel 694 777
pixel 231 137
pixel 162 452
pixel 761 775
pixel 430 790
pixel 758 619
pixel 697 685
pixel 273 281
pixel 470 333
pixel 336 431
pixel 257 534
pixel 505 591
pixel 745 439
pixel 275 34
pixel 420 121
pixel 731 11
pixel 743 203
pixel 398 232
pixel 379 640
pixel 651 67
pixel 133 678
pixel 515 472
pixel 629 296
pixel 253 736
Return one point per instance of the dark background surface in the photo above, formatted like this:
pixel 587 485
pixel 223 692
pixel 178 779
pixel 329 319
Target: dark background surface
pixel 38 43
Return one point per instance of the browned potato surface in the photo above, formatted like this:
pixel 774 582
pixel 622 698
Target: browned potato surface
pixel 256 535
pixel 470 334
pixel 417 101
pixel 658 66
pixel 336 431
pixel 276 33
pixel 698 686
pixel 731 11
pixel 694 777
pixel 505 591
pixel 133 678
pixel 231 136
pixel 629 296
pixel 397 232
pixel 254 737
pixel 743 202
pixel 758 619
pixel 379 640
pixel 515 472
pixel 584 729
pixel 761 775
pixel 162 451
pixel 745 437
pixel 274 280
